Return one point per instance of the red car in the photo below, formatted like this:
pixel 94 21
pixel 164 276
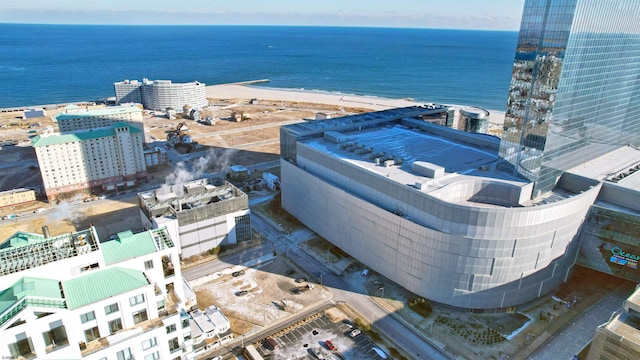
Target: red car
pixel 330 345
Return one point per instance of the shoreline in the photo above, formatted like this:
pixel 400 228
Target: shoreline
pixel 245 90
pixel 375 103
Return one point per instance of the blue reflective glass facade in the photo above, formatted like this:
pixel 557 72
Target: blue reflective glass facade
pixel 575 88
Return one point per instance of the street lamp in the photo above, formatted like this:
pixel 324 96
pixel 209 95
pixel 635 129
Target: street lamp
pixel 321 275
pixel 381 288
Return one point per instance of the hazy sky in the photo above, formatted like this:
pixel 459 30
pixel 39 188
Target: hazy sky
pixel 457 14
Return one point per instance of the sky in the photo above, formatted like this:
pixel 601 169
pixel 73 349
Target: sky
pixel 450 14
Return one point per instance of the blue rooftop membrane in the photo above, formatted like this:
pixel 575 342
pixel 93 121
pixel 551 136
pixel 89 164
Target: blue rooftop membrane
pixel 408 146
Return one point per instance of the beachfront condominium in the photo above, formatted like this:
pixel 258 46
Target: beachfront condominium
pixel 575 88
pixel 73 296
pixel 161 94
pixel 90 161
pixel 73 118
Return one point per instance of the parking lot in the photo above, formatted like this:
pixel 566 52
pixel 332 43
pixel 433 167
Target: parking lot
pixel 301 342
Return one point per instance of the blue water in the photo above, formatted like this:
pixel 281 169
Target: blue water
pixel 45 64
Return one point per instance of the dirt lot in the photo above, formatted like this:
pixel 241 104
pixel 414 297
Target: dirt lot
pixel 251 141
pixel 269 298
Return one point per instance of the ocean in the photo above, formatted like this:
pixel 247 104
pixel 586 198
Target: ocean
pixel 50 64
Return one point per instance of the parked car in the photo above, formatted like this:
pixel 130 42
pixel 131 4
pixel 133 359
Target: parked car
pixel 301 279
pixel 39 210
pixel 318 354
pixel 237 273
pixel 241 293
pixel 354 333
pixel 330 345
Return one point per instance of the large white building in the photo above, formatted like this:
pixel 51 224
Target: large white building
pixel 72 297
pixel 73 118
pixel 201 214
pixel 424 206
pixel 162 94
pixel 101 159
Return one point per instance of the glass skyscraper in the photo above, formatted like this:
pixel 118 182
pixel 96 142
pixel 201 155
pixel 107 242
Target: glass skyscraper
pixel 575 88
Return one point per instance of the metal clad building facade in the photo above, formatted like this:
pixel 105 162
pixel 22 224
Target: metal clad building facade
pixel 461 239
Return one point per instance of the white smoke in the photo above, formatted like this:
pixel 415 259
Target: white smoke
pixel 67 210
pixel 204 166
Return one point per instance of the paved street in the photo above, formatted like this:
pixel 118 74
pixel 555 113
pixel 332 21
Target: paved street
pixel 579 333
pixel 351 294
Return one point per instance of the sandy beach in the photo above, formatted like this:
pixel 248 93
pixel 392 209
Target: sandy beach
pixel 236 91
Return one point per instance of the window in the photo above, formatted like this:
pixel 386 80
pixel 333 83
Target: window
pixel 153 356
pixel 135 300
pixel 124 354
pixel 111 308
pixel 55 338
pixel 161 306
pixel 149 343
pixel 174 345
pixel 87 317
pixel 148 264
pixel 185 323
pixel 92 334
pixel 140 316
pixel 22 348
pixel 115 325
pixel 171 328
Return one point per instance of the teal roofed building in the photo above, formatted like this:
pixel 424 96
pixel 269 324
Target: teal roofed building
pixel 71 296
pixel 102 284
pixel 21 238
pixel 91 161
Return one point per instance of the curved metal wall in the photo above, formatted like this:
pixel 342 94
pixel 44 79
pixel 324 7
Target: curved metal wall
pixel 460 255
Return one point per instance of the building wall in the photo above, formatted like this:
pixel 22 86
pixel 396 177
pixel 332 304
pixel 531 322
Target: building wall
pixel 128 92
pixel 161 94
pixel 131 337
pixel 15 197
pixel 575 91
pixel 78 166
pixel 464 256
pixel 202 236
pixel 75 328
pixel 99 118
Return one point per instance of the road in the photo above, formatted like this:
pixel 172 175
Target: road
pixel 358 299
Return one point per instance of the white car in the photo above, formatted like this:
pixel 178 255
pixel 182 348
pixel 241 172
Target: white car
pixel 318 354
pixel 39 210
pixel 354 333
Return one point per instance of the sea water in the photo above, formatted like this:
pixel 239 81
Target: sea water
pixel 47 64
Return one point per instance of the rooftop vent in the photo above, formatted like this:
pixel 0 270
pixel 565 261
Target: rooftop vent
pixel 428 169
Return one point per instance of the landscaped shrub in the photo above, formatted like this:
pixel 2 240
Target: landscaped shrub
pixel 421 306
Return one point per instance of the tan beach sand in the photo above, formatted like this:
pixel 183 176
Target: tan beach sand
pixel 234 91
pixel 231 91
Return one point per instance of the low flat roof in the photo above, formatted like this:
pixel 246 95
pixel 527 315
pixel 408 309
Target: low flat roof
pixel 613 164
pixel 412 145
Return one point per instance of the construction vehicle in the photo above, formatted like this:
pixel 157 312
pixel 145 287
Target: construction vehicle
pixel 180 138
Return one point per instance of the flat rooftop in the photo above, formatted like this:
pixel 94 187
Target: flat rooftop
pixel 383 115
pixel 393 150
pixel 620 166
pixel 190 195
